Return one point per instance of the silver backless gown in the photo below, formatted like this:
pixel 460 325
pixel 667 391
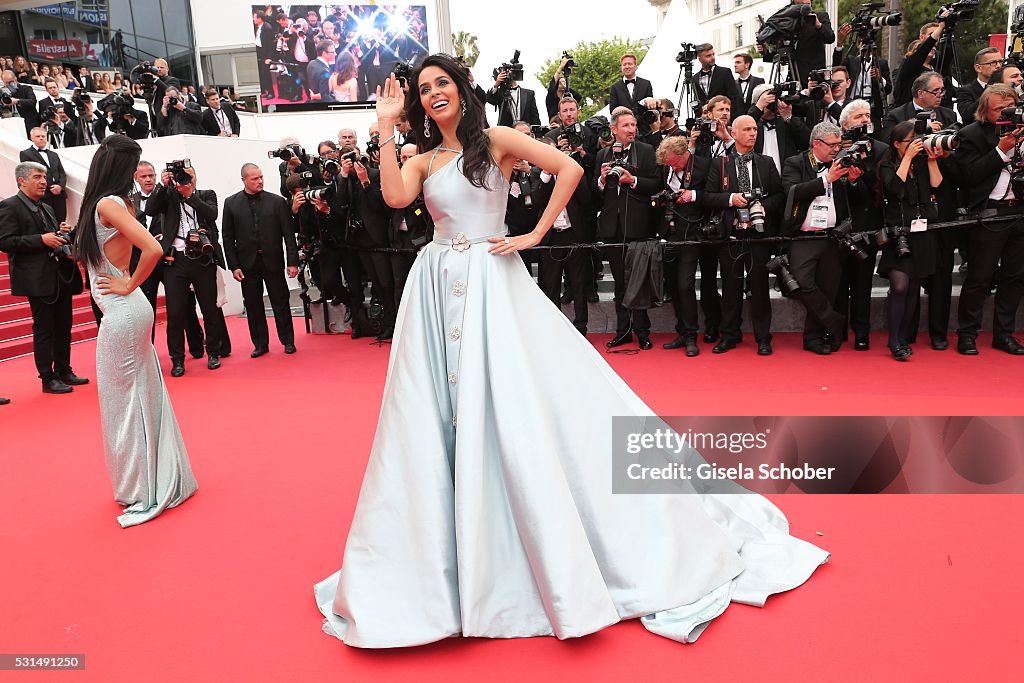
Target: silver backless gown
pixel 145 454
pixel 486 508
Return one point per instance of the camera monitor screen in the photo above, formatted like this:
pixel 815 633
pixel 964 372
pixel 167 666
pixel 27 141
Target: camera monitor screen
pixel 318 56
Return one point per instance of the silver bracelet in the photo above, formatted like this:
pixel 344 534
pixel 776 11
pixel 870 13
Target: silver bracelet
pixel 388 140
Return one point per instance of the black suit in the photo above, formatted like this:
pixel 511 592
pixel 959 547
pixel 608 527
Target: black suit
pixel 527 106
pixel 721 83
pixel 136 131
pixel 747 91
pixel 210 120
pixel 908 111
pixel 792 136
pixel 26 105
pixel 255 248
pixel 736 257
pixel 626 215
pixel 979 166
pixel 967 100
pixel 552 99
pixel 55 175
pixel 48 283
pixel 619 95
pixel 810 45
pixel 852 62
pixel 181 272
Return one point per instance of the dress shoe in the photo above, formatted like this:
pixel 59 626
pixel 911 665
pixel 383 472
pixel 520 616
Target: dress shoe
pixel 177 368
pixel 901 352
pixel 624 338
pixel 213 362
pixel 385 334
pixel 593 298
pixel 645 342
pixel 723 346
pixel 582 329
pixel 1008 344
pixel 290 348
pixel 711 334
pixel 4 401
pixel 966 346
pixel 566 299
pixel 336 301
pixel 677 343
pixel 71 379
pixel 819 348
pixel 197 354
pixel 833 343
pixel 55 386
pixel 940 344
pixel 861 343
pixel 764 348
pixel 691 347
pixel 256 353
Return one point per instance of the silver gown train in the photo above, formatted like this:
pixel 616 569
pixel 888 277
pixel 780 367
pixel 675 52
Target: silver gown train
pixel 145 454
pixel 486 507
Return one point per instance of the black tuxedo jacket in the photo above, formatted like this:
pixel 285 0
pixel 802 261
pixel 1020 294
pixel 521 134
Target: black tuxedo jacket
pixel 967 100
pixel 55 174
pixel 419 224
pixel 210 120
pixel 978 165
pixel 720 187
pixel 87 83
pixel 722 83
pixel 48 101
pixel 245 242
pixel 155 226
pixel 619 96
pixel 811 42
pixel 527 107
pixel 366 204
pixel 690 214
pixel 26 103
pixel 581 219
pixel 803 185
pixel 138 131
pixel 793 136
pixel 752 82
pixel 33 272
pixel 907 111
pixel 627 213
pixel 166 202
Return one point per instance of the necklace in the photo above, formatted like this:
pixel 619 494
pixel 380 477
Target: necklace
pixel 442 148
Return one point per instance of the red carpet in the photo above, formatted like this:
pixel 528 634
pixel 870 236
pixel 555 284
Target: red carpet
pixel 919 587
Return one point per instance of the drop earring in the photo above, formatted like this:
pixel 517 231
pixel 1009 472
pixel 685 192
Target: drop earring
pixel 463 107
pixel 426 126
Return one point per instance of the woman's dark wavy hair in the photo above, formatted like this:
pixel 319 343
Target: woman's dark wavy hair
pixel 476 146
pixel 111 172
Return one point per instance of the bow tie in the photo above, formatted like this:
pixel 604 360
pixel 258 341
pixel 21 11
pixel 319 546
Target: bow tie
pixel 822 165
pixel 630 80
pixel 769 125
pixel 743 80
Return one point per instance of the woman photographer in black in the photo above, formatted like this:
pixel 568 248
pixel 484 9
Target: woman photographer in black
pixel 909 177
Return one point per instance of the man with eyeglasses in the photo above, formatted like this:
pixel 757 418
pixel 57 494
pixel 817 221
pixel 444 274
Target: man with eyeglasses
pixel 928 90
pixel 986 62
pixel 821 192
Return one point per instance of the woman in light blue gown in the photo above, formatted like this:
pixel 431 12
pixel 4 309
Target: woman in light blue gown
pixel 146 458
pixel 486 508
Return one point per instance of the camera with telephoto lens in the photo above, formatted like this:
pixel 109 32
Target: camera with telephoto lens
pixel 599 125
pixel 573 135
pixel 859 133
pixel 373 147
pixel 619 162
pixel 707 128
pixel 848 240
pixel 64 250
pixel 198 244
pixel 650 116
pixel 324 192
pixel 782 28
pixel 570 63
pixel 329 166
pixel 514 70
pixel 964 10
pixel 751 215
pixel 854 155
pixel 823 79
pixel 177 169
pixel 79 99
pixel 945 140
pixel 779 267
pixel 118 104
pixel 286 153
pixel 867 20
pixel 687 54
pixel 1010 120
pixel 788 92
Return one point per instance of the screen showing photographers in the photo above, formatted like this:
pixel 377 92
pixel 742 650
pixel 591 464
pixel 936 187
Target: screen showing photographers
pixel 315 56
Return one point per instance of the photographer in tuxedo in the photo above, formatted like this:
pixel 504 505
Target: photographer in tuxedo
pixel 177 116
pixel 780 135
pixel 56 195
pixel 557 90
pixel 39 256
pixel 983 163
pixel 192 254
pixel 836 99
pixel 714 80
pixel 411 228
pixel 513 102
pixel 734 182
pixel 523 207
pixel 624 200
pixel 818 201
pixel 630 91
pixel 719 110
pixel 256 223
pixel 986 62
pixel 220 117
pixel 928 90
pixel 744 81
pixel 686 176
pixel 815 33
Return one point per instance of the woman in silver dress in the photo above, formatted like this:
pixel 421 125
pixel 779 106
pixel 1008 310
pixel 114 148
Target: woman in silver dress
pixel 146 457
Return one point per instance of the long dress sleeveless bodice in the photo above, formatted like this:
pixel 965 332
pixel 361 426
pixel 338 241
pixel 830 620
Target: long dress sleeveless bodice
pixel 486 508
pixel 146 458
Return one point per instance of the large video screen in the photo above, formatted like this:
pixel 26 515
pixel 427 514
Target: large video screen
pixel 316 56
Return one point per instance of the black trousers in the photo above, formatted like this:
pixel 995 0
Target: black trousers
pixel 853 300
pixel 329 271
pixel 575 263
pixel 626 319
pixel 378 266
pixel 710 299
pixel 939 287
pixel 352 269
pixel 181 305
pixel 252 294
pixel 401 265
pixel 58 204
pixel 681 277
pixel 51 332
pixel 193 330
pixel 990 248
pixel 742 261
pixel 816 266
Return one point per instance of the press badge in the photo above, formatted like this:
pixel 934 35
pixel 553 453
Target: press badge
pixel 919 225
pixel 818 214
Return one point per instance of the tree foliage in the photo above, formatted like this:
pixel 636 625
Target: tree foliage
pixel 465 45
pixel 597 67
pixel 971 36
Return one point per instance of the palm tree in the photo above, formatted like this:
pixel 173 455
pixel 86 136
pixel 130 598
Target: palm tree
pixel 466 47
